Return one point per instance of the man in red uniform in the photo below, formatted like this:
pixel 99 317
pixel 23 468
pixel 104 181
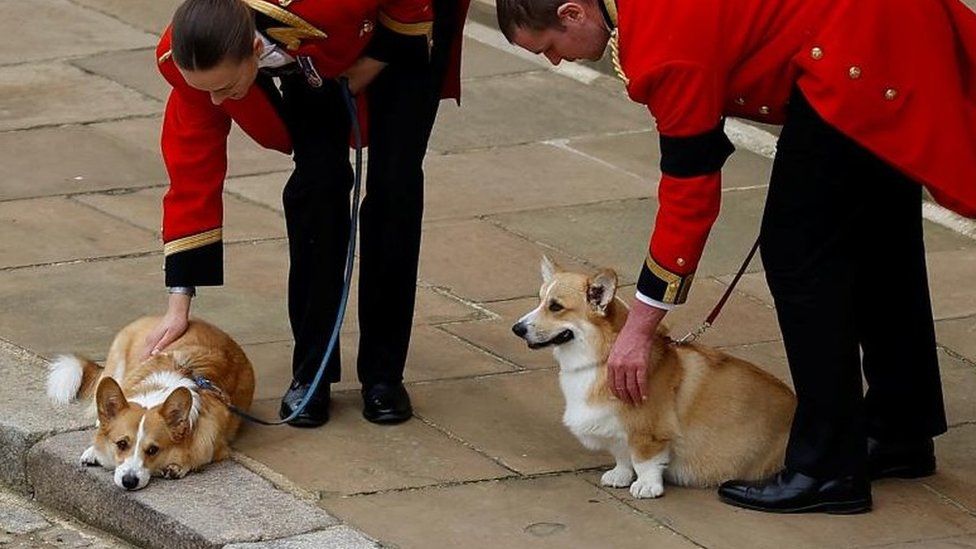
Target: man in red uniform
pixel 875 97
pixel 222 58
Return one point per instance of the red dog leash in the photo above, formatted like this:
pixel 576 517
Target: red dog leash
pixel 710 319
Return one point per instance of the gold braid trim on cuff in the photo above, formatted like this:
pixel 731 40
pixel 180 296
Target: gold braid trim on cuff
pixel 678 286
pixel 193 241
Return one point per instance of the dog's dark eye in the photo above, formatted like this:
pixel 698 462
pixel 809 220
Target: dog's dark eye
pixel 122 445
pixel 555 307
pixel 152 450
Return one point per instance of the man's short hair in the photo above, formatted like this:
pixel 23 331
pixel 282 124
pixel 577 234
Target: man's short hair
pixel 206 32
pixel 534 15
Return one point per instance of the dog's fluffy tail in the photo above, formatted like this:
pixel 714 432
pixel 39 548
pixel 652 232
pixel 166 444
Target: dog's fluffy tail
pixel 70 377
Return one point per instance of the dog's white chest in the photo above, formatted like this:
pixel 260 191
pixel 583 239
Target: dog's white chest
pixel 594 426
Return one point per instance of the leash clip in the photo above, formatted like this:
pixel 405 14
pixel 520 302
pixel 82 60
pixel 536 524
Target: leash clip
pixel 691 336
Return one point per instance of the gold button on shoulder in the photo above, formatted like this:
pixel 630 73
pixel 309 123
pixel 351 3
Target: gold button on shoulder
pixel 681 262
pixel 890 94
pixel 764 110
pixel 740 101
pixel 366 28
pixel 854 72
pixel 817 53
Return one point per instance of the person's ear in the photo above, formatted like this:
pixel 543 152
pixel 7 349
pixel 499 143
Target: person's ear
pixel 258 47
pixel 570 13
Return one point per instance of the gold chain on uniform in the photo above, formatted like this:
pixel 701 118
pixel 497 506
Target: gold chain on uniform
pixel 615 57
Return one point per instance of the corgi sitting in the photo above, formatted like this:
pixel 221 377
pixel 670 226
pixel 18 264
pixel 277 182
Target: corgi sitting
pixel 709 417
pixel 153 419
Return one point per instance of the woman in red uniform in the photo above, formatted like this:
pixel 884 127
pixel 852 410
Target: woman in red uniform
pixel 222 58
pixel 876 99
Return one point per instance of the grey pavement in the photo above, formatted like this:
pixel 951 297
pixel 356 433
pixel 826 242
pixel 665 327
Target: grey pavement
pixel 535 161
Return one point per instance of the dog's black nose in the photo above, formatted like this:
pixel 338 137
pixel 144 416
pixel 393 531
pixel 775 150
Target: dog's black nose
pixel 130 482
pixel 520 329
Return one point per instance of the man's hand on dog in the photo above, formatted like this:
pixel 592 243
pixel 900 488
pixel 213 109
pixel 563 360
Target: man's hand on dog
pixel 627 365
pixel 171 327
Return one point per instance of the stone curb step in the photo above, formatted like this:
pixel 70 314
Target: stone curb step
pixel 225 505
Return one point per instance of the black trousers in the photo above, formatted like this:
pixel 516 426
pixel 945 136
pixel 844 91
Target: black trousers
pixel 842 245
pixel 402 105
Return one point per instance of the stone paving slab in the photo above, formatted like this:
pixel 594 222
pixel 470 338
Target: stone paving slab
pixel 481 60
pixel 337 537
pixel 134 69
pixel 73 231
pixel 950 280
pixel 87 160
pixel 24 524
pixel 250 306
pixel 640 153
pixel 245 157
pixel 44 94
pixel 37 30
pixel 514 418
pixel 481 262
pixel 903 511
pixel 434 355
pixel 959 336
pixel 956 453
pixel 552 512
pixel 27 417
pixel 243 220
pixel 961 542
pixel 959 389
pixel 223 504
pixel 148 15
pixel 522 108
pixel 527 177
pixel 372 457
pixel 615 234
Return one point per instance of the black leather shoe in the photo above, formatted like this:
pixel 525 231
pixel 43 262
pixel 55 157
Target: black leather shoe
pixel 789 492
pixel 889 459
pixel 317 411
pixel 386 403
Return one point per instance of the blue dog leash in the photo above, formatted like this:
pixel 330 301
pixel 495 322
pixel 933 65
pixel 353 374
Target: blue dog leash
pixel 205 384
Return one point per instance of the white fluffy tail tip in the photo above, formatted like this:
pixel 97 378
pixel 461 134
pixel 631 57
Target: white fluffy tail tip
pixel 64 379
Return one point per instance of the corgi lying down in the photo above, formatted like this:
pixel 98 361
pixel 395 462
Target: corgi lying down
pixel 153 420
pixel 708 418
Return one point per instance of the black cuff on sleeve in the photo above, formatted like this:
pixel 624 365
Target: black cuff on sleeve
pixel 203 266
pixel 696 155
pixel 662 285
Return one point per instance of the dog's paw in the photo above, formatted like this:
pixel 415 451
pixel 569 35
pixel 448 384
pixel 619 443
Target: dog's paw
pixel 173 471
pixel 89 458
pixel 618 477
pixel 647 488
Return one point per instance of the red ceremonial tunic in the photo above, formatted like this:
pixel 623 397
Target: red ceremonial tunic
pixel 897 76
pixel 327 35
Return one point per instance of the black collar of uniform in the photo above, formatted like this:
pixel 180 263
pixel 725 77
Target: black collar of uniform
pixel 609 10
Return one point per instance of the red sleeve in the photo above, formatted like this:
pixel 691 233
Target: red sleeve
pixel 194 145
pixel 685 99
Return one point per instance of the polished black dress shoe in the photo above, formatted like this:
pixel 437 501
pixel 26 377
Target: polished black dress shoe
pixel 317 411
pixel 890 459
pixel 386 403
pixel 790 492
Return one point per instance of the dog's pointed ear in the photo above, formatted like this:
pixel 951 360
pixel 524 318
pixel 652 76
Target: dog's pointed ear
pixel 549 269
pixel 109 400
pixel 601 290
pixel 176 412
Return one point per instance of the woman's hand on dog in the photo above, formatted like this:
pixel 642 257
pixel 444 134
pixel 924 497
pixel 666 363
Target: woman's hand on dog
pixel 171 327
pixel 627 364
